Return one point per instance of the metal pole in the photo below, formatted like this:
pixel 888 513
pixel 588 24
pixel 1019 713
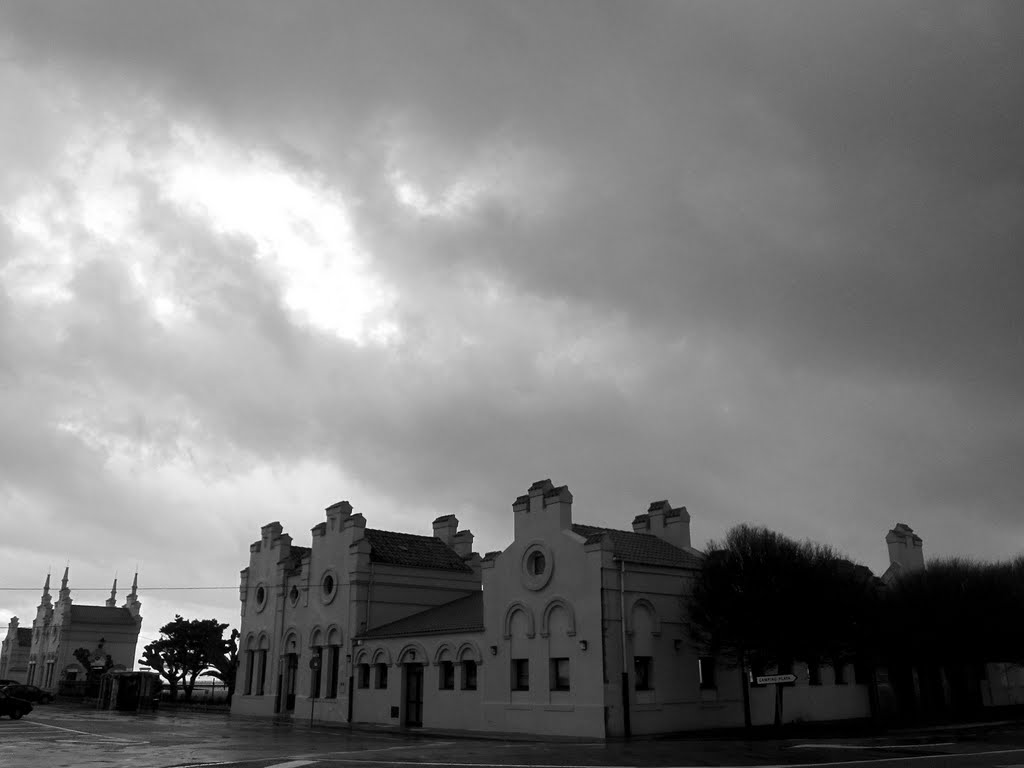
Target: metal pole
pixel 626 729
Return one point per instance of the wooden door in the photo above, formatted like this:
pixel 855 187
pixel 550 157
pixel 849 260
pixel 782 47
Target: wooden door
pixel 413 695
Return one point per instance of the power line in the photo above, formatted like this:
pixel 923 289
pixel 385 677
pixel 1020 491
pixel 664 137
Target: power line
pixel 107 589
pixel 144 589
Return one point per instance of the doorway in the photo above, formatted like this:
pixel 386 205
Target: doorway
pixel 291 674
pixel 413 695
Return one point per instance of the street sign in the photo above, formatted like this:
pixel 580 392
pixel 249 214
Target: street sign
pixel 769 679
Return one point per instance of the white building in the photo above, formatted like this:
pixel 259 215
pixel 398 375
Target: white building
pixel 109 633
pixel 573 629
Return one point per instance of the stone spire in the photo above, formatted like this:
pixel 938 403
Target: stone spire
pixel 132 603
pixel 45 609
pixel 65 593
pixel 45 599
pixel 112 600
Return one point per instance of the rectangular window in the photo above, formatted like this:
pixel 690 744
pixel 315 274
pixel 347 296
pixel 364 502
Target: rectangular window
pixel 520 674
pixel 31 673
pixel 382 675
pixel 469 675
pixel 446 676
pixel 642 673
pixel 706 672
pixel 363 680
pixel 839 668
pixel 250 658
pixel 813 673
pixel 333 662
pixel 559 674
pixel 49 674
pixel 314 686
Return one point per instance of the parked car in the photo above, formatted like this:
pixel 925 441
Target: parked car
pixel 13 707
pixel 5 683
pixel 29 693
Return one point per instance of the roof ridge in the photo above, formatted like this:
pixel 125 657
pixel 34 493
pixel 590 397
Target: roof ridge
pixel 403 533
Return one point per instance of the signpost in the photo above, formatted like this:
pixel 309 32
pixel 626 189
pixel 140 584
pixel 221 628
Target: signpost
pixel 774 679
pixel 778 681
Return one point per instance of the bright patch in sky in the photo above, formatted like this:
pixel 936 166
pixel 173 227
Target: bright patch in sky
pixel 300 228
pixel 526 182
pixel 90 205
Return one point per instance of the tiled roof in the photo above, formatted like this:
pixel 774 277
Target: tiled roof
pixel 100 614
pixel 413 551
pixel 25 637
pixel 463 615
pixel 643 548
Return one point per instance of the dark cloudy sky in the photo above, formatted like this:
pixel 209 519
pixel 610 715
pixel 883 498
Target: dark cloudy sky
pixel 760 258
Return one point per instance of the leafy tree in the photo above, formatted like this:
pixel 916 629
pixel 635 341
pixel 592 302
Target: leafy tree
pixel 186 649
pixel 222 655
pixel 954 616
pixel 162 656
pixel 765 599
pixel 83 657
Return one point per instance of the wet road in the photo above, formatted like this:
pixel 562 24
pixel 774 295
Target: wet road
pixel 66 737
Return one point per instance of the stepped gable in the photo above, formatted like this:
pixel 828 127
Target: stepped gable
pixel 643 548
pixel 99 614
pixel 463 615
pixel 412 551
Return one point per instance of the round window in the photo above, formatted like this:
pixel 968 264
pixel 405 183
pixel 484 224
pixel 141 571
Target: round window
pixel 328 586
pixel 261 597
pixel 537 566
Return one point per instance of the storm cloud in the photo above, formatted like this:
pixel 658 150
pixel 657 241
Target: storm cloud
pixel 758 258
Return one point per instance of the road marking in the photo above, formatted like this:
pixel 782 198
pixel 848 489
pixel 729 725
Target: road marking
pixel 292 764
pixel 872 746
pixel 825 764
pixel 86 733
pixel 383 749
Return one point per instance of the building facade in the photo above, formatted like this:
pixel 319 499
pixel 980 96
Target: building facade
pixel 572 629
pixel 14 652
pixel 108 632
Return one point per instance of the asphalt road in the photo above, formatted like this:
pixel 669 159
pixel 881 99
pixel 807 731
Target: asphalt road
pixel 63 736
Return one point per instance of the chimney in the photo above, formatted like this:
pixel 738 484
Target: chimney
pixel 462 542
pixel 542 509
pixel 671 525
pixel 906 548
pixel 537 493
pixel 445 528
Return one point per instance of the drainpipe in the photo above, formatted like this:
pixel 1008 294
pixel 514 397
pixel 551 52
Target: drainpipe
pixel 626 729
pixel 369 598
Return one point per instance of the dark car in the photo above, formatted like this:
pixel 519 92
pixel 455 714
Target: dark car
pixel 12 707
pixel 28 693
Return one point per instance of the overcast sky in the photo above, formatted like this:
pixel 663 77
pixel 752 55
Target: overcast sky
pixel 759 258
